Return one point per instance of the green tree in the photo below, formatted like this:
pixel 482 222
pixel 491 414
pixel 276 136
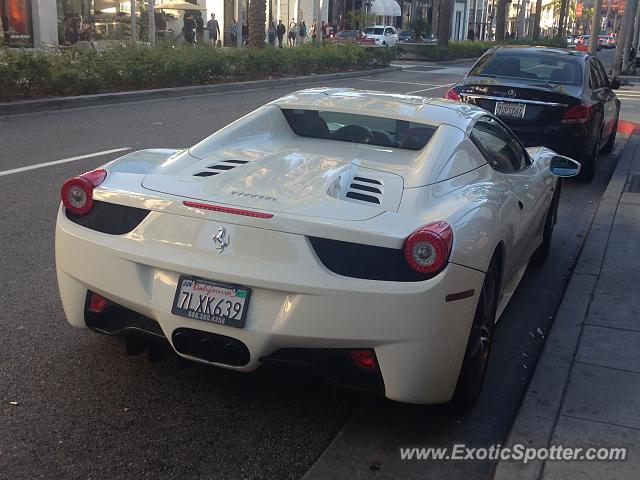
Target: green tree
pixel 420 27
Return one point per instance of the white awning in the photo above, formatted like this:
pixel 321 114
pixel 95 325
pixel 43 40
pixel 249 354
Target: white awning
pixel 397 11
pixel 378 8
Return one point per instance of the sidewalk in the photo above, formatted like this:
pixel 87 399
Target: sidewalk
pixel 585 391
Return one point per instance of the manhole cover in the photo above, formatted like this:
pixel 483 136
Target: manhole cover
pixel 634 184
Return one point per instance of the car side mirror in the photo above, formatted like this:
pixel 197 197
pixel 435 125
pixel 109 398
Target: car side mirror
pixel 564 166
pixel 615 83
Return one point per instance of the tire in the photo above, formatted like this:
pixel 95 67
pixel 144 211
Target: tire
pixel 476 356
pixel 542 253
pixel 589 164
pixel 612 139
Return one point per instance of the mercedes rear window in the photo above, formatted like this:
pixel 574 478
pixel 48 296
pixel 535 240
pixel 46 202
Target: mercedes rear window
pixel 544 68
pixel 356 128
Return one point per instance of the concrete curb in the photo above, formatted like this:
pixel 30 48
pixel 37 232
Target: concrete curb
pixel 59 103
pixel 537 417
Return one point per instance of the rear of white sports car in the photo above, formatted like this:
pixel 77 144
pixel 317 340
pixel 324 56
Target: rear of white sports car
pixel 247 256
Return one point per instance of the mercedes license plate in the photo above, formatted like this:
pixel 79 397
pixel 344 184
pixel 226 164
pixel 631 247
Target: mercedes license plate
pixel 509 109
pixel 221 303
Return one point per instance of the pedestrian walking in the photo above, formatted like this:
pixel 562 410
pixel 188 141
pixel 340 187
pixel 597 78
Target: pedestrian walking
pixel 323 31
pixel 471 34
pixel 291 38
pixel 271 34
pixel 214 30
pixel 233 33
pixel 313 32
pixel 188 28
pixel 245 32
pixel 302 32
pixel 280 31
pixel 199 28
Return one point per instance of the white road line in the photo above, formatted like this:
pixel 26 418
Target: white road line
pixel 432 88
pixel 58 162
pixel 400 82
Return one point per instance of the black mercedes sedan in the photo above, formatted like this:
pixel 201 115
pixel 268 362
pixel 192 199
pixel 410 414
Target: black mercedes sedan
pixel 556 98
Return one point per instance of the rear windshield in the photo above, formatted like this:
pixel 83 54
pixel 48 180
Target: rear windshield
pixel 349 127
pixel 545 68
pixel 374 31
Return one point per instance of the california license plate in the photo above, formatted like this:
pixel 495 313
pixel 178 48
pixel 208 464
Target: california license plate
pixel 221 303
pixel 510 109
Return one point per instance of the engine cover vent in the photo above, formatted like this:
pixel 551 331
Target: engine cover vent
pixel 220 167
pixel 365 190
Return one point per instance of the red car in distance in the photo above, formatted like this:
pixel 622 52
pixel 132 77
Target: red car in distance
pixel 352 36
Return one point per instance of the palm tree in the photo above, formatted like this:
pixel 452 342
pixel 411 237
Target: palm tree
pixel 536 20
pixel 444 21
pixel 561 20
pixel 501 19
pixel 257 19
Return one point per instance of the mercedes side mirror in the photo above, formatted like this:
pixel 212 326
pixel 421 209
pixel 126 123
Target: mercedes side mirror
pixel 615 83
pixel 564 166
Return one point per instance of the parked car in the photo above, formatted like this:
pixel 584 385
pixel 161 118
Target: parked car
pixel 582 45
pixel 611 41
pixel 572 40
pixel 352 36
pixel 372 237
pixel 382 34
pixel 556 98
pixel 405 35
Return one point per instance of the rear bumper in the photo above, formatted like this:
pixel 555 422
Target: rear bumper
pixel 419 339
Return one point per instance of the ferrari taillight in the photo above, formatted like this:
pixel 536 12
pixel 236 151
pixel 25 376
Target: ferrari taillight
pixel 427 249
pixel 578 114
pixel 364 358
pixel 77 192
pixel 452 95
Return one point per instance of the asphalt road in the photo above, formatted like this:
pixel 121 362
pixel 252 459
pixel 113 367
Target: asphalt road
pixel 75 406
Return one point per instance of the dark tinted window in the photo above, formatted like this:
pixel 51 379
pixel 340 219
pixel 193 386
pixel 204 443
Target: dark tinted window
pixel 374 31
pixel 502 151
pixel 595 82
pixel 346 34
pixel 604 80
pixel 349 127
pixel 543 67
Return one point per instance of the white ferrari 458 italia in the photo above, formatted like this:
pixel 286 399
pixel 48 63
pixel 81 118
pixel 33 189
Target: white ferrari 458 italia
pixel 374 238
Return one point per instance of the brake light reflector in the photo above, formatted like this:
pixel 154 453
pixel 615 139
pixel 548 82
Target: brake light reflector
pixel 97 304
pixel 427 249
pixel 452 95
pixel 578 114
pixel 233 211
pixel 77 192
pixel 364 358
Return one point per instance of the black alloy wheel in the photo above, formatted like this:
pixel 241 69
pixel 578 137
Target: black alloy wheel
pixel 542 253
pixel 476 357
